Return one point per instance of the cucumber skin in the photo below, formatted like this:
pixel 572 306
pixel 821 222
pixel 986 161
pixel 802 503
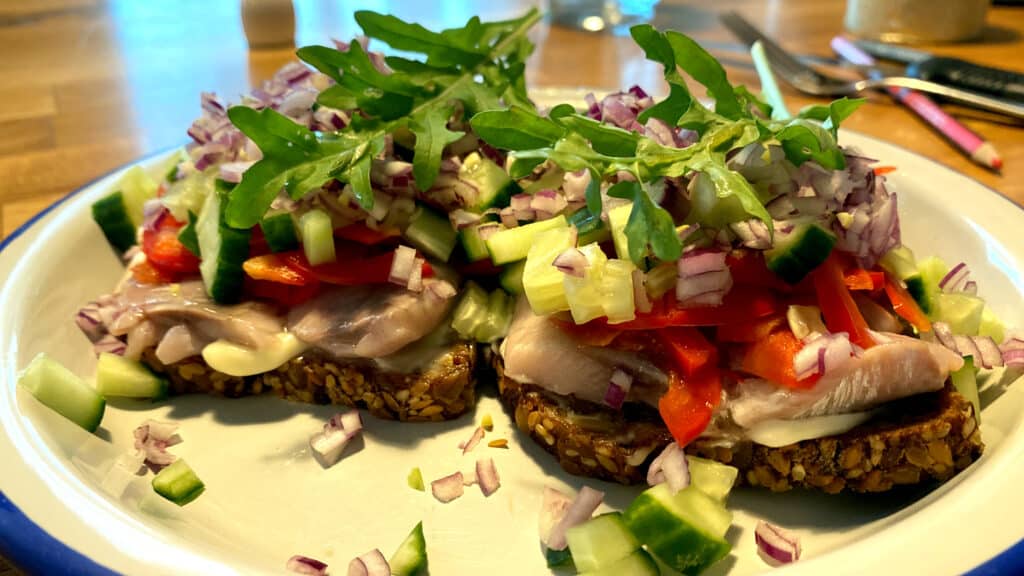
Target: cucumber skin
pixel 188 237
pixel 558 558
pixel 111 214
pixel 411 557
pixel 647 518
pixel 279 230
pixel 802 254
pixel 230 275
pixel 472 244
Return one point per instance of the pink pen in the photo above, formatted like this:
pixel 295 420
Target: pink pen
pixel 961 136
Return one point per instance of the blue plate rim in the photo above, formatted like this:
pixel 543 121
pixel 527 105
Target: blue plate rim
pixel 21 539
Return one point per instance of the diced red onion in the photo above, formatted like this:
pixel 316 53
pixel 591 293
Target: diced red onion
pixel 448 488
pixel 462 218
pixel 574 184
pixel 153 212
pixel 1014 358
pixel 372 563
pixel 548 203
pixel 488 230
pixel 955 279
pixel 581 509
pixel 821 353
pixel 306 565
pixel 402 266
pixel 416 276
pixel 441 289
pixel 469 477
pixel 152 438
pixel 233 171
pixel 88 320
pixel 618 389
pixel 593 108
pixel 640 297
pixel 775 544
pixel 572 261
pixel 487 476
pixel 753 233
pixel 695 262
pixel 553 508
pixel 670 467
pixel 707 288
pixel 110 344
pixel 508 217
pixel 475 439
pixel 328 445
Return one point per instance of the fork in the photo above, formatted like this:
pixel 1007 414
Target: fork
pixel 810 81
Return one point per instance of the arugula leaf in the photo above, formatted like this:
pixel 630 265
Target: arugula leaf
pixel 432 135
pixel 832 115
pixel 729 198
pixel 657 49
pixel 650 228
pixel 672 108
pixel 703 67
pixel 294 160
pixel 804 140
pixel 516 128
pixel 604 138
pixel 593 193
pixel 476 66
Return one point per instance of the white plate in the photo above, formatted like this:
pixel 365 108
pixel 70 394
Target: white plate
pixel 267 499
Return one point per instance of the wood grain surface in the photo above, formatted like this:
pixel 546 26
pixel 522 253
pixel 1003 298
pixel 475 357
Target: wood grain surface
pixel 89 85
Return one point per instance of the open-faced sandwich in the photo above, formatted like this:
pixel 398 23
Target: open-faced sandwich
pixel 640 272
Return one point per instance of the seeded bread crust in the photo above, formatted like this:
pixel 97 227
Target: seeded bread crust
pixel 935 436
pixel 443 392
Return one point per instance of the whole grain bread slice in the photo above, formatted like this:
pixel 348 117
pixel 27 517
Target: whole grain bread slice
pixel 925 437
pixel 443 391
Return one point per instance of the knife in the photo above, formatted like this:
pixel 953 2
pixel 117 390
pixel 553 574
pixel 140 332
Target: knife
pixel 998 82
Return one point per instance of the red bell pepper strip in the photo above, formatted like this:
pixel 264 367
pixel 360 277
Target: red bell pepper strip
pixel 861 279
pixel 257 242
pixel 741 304
pixel 286 295
pixel 688 348
pixel 837 306
pixel 163 249
pixel 688 404
pixel 751 331
pixel 771 358
pixel 747 267
pixel 882 170
pixel 280 269
pixel 905 306
pixel 363 234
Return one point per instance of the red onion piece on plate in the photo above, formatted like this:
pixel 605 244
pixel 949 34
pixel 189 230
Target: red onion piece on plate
pixel 487 476
pixel 306 565
pixel 328 445
pixel 670 467
pixel 152 438
pixel 581 509
pixel 373 563
pixel 448 488
pixel 776 545
pixel 553 508
pixel 475 439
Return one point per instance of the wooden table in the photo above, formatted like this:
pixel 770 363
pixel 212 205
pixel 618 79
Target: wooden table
pixel 88 85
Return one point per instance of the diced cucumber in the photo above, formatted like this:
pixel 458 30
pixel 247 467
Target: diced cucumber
pixel 178 483
pixel 188 237
pixel 617 219
pixel 472 244
pixel 317 236
pixel 137 187
pixel 431 233
pixel 499 316
pixel 992 326
pixel 558 558
pixel 188 194
pixel 411 556
pixel 600 541
pixel 661 279
pixel 712 478
pixel 617 287
pixel 639 563
pixel 799 252
pixel 511 277
pixel 965 380
pixel 514 244
pixel 223 250
pixel 685 530
pixel 585 295
pixel 119 376
pixel 111 215
pixel 493 183
pixel 279 230
pixel 63 391
pixel 924 286
pixel 542 282
pixel 589 226
pixel 471 311
pixel 961 311
pixel 900 262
